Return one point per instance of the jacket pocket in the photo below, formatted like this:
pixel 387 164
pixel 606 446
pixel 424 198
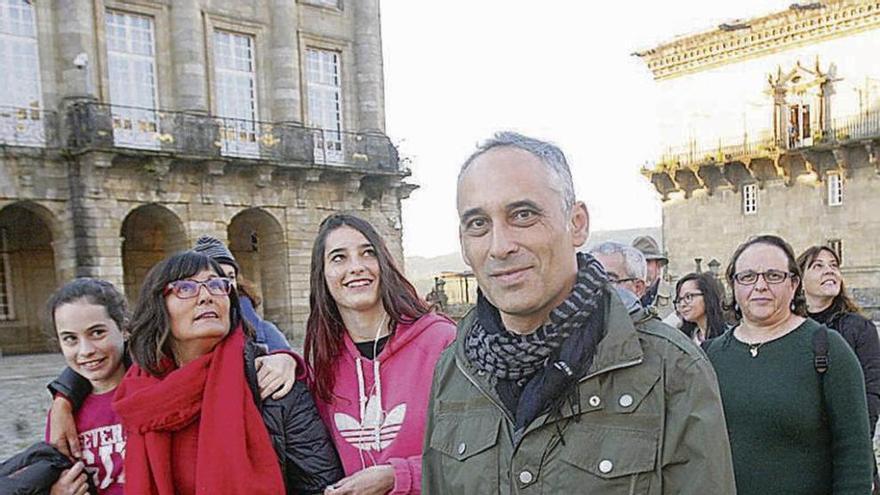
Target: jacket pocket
pixel 468 444
pixel 612 459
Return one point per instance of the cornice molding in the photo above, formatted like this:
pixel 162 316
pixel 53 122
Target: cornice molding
pixel 758 37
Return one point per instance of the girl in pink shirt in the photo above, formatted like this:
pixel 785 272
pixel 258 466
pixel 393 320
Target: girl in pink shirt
pixel 89 317
pixel 371 345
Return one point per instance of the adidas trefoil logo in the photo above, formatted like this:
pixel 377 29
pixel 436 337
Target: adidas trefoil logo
pixel 374 432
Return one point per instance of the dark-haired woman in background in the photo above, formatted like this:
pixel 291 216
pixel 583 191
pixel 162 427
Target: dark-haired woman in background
pixel 371 344
pixel 792 429
pixel 829 304
pixel 191 404
pixel 698 302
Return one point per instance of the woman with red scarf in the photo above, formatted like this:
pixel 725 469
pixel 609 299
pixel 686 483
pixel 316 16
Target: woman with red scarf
pixel 194 416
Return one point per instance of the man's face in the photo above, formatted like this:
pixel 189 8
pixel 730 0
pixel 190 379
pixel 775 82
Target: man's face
pixel 654 267
pixel 615 266
pixel 516 237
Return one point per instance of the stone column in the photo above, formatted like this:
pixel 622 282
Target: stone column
pixel 284 56
pixel 187 53
pixel 368 66
pixel 77 48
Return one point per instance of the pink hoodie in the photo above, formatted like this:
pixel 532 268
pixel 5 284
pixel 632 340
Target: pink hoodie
pixel 382 421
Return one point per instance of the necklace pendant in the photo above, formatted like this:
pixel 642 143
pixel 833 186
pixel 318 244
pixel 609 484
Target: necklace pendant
pixel 753 351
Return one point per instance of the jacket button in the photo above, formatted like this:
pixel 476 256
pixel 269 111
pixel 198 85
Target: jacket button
pixel 461 448
pixel 625 400
pixel 606 466
pixel 595 401
pixel 526 477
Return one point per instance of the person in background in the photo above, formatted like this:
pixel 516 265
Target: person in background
pixel 658 294
pixel 699 304
pixel 795 426
pixel 267 333
pixel 371 345
pixel 625 266
pixel 191 405
pixel 89 317
pixel 829 304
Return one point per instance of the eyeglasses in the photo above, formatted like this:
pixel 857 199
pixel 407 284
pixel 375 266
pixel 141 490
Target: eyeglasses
pixel 187 289
pixel 687 298
pixel 770 276
pixel 614 280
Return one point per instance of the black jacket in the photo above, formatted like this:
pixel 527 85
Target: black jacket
pixel 861 335
pixel 33 471
pixel 309 462
pixel 308 459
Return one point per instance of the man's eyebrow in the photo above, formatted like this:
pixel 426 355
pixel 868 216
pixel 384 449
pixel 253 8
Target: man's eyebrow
pixel 471 212
pixel 524 203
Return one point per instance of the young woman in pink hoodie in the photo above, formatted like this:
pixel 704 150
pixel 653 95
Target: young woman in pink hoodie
pixel 371 345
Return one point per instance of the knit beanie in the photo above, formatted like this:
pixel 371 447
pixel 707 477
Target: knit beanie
pixel 216 250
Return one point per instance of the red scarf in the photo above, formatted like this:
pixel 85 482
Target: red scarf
pixel 235 454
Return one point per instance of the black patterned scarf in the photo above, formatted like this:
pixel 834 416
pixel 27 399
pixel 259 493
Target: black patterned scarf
pixel 537 370
pixel 508 356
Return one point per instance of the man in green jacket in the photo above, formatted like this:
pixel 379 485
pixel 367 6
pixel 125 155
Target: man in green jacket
pixel 549 387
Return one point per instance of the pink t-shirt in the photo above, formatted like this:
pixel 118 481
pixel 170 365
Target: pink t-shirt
pixel 102 440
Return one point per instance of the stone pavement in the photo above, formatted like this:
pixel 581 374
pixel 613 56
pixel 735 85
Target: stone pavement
pixel 24 400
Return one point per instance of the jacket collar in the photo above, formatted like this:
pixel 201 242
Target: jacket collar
pixel 619 348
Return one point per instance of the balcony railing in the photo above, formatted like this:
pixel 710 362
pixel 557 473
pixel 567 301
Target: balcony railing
pixel 28 126
pixel 97 125
pixel 863 126
pixel 726 150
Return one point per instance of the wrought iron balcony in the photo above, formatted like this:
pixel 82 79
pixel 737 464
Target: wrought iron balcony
pixel 99 126
pixel 28 126
pixel 850 142
pixel 844 130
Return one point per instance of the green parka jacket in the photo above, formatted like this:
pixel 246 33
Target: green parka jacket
pixel 650 423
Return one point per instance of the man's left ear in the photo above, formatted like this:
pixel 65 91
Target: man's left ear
pixel 579 223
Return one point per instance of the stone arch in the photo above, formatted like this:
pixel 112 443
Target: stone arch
pixel 149 233
pixel 28 275
pixel 256 239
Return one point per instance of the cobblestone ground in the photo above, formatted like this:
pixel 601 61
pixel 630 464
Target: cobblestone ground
pixel 24 400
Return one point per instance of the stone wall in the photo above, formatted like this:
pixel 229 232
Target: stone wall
pixel 83 205
pixel 711 227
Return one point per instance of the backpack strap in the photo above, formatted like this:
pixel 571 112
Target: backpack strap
pixel 820 350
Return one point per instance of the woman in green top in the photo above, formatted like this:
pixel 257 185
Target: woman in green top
pixel 792 430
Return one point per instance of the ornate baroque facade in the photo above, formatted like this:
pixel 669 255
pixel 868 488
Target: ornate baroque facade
pixel 128 128
pixel 772 125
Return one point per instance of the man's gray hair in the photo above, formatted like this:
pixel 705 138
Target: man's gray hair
pixel 549 154
pixel 633 259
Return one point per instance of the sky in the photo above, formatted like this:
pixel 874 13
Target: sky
pixel 561 70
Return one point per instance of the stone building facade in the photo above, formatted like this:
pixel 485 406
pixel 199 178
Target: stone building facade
pixel 772 125
pixel 131 127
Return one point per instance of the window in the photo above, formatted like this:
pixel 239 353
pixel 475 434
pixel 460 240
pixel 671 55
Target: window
pixel 21 115
pixel 836 245
pixel 235 89
pixel 7 311
pixel 325 104
pixel 835 189
pixel 750 199
pixel 132 72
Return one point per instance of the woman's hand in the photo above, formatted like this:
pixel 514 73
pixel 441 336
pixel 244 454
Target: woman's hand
pixel 72 481
pixel 374 480
pixel 275 373
pixel 62 428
